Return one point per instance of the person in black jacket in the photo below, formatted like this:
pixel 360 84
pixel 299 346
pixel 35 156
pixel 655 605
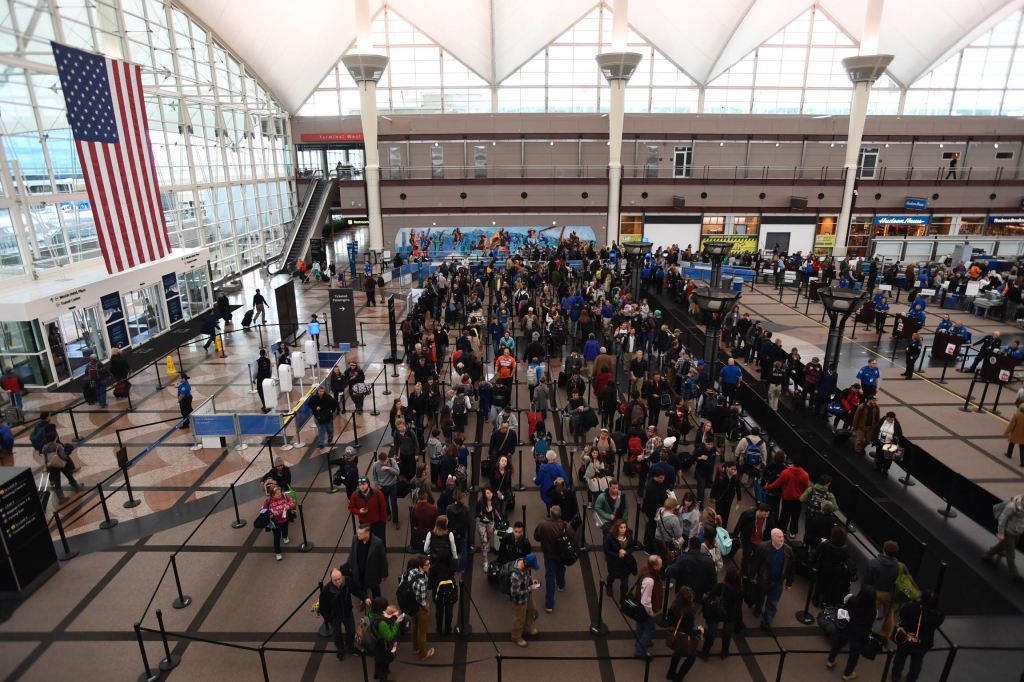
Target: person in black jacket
pixel 861 608
pixel 618 553
pixel 695 569
pixel 368 563
pixel 264 370
pixel 118 365
pixel 753 527
pixel 727 596
pixel 335 606
pixel 514 545
pixel 724 490
pixel 834 564
pixel 280 475
pixel 323 407
pixel 703 460
pixel 922 619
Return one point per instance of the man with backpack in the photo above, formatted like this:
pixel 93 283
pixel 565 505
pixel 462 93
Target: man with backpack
pixel 96 375
pixel 815 497
pixel 413 599
pixel 751 454
pixel 516 580
pixel 610 506
pixel 551 534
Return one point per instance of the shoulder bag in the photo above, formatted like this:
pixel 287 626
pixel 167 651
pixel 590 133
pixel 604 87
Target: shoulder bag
pixel 631 606
pixel 682 643
pixel 904 637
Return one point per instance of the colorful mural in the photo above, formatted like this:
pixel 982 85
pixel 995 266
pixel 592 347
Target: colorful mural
pixel 438 242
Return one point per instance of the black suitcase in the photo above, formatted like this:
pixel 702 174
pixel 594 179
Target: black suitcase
pixel 89 392
pixel 247 319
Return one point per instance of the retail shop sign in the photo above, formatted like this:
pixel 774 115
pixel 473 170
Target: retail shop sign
pixel 915 203
pixel 824 241
pixel 741 243
pixel 331 137
pixel 1006 220
pixel 902 220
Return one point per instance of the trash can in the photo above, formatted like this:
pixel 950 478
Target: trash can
pixel 737 284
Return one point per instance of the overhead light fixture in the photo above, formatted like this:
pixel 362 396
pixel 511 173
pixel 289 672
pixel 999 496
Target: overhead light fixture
pixel 886 145
pixel 493 223
pixel 776 144
pixel 434 224
pixel 832 145
pixel 494 143
pixel 941 145
pixel 721 144
pixel 552 143
pixel 996 145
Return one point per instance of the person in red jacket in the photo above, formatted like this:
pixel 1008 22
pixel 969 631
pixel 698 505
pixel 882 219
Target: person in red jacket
pixel 370 508
pixel 792 482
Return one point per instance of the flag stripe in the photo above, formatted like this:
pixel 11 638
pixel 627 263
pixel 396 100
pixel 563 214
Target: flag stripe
pixel 140 217
pixel 149 167
pixel 106 109
pixel 101 233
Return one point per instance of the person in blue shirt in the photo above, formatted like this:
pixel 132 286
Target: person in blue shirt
pixel 881 314
pixel 960 330
pixel 184 399
pixel 879 297
pixel 313 329
pixel 917 313
pixel 730 375
pixel 591 349
pixel 1015 352
pixel 946 325
pixel 497 330
pixel 869 376
pixel 6 444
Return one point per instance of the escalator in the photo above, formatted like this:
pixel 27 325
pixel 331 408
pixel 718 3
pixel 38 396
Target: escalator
pixel 315 206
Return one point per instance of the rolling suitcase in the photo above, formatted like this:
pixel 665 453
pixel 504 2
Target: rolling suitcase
pixel 247 319
pixel 13 415
pixel 121 388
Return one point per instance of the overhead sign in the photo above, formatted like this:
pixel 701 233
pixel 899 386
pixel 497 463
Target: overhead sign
pixel 1006 220
pixel 902 220
pixel 915 203
pixel 343 315
pixel 741 243
pixel 331 137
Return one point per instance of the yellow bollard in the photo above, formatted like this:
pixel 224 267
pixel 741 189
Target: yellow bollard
pixel 171 369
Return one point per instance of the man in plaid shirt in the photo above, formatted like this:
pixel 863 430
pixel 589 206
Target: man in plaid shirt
pixel 417 574
pixel 524 613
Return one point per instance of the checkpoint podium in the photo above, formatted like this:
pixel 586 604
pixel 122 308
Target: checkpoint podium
pixel 904 327
pixel 997 368
pixel 946 346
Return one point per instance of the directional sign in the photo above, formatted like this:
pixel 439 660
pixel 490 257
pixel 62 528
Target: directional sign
pixel 343 316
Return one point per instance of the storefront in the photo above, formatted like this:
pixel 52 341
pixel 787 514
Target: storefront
pixel 1006 225
pixel 51 330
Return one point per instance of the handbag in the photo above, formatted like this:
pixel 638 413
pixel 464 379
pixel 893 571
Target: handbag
pixel 682 644
pixel 631 606
pixel 903 637
pixel 873 646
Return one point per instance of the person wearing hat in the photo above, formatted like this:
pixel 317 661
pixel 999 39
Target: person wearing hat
pixel 370 507
pixel 349 471
pixel 521 588
pixel 279 475
pixel 355 380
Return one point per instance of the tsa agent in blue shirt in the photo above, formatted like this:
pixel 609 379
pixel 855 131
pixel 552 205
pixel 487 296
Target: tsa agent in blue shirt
pixel 881 313
pixel 730 375
pixel 917 314
pixel 945 325
pixel 869 377
pixel 184 399
pixel 313 328
pixel 1015 352
pixel 960 330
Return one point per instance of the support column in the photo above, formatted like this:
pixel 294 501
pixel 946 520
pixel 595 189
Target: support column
pixel 366 70
pixel 617 68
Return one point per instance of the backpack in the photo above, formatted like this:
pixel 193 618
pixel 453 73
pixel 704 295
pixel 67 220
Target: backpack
pixel 724 541
pixel 566 548
pixel 532 376
pixel 997 509
pixel 817 499
pixel 753 454
pixel 459 406
pixel 366 632
pixel 94 372
pixel 446 592
pixel 440 548
pixel 407 326
pixel 634 446
pixel 39 432
pixel 406 596
pixel 505 578
pixel 540 448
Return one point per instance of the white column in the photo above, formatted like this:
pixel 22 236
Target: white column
pixel 854 135
pixel 368 116
pixel 863 70
pixel 616 116
pixel 616 67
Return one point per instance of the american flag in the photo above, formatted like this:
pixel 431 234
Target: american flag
pixel 107 113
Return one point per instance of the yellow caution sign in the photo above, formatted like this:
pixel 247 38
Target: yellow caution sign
pixel 171 369
pixel 218 346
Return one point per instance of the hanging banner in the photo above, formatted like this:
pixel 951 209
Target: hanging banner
pixel 170 281
pixel 113 315
pixel 741 243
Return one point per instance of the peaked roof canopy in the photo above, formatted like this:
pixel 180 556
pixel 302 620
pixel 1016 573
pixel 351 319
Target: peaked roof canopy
pixel 291 48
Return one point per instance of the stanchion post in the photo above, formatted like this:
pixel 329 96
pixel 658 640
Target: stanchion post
pixel 520 487
pixel 148 675
pixel 366 673
pixel 941 578
pixel 107 522
pixel 182 600
pixel 159 383
pixel 948 667
pixel 524 517
pixel 170 661
pixel 131 502
pixel 306 545
pixel 497 659
pixel 355 432
pixel 664 618
pixel 74 425
pixel 69 553
pixel 852 511
pixel 463 628
pixel 970 390
pixel 782 664
pixel 386 391
pixel 330 477
pixel 373 398
pixel 907 481
pixel 804 617
pixel 598 627
pixel 948 511
pixel 263 664
pixel 647 668
pixel 238 522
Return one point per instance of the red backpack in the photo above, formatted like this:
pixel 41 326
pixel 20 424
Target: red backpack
pixel 635 446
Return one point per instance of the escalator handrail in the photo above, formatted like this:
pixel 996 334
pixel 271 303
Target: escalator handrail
pixel 297 224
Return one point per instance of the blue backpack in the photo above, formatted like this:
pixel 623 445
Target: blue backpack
pixel 753 454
